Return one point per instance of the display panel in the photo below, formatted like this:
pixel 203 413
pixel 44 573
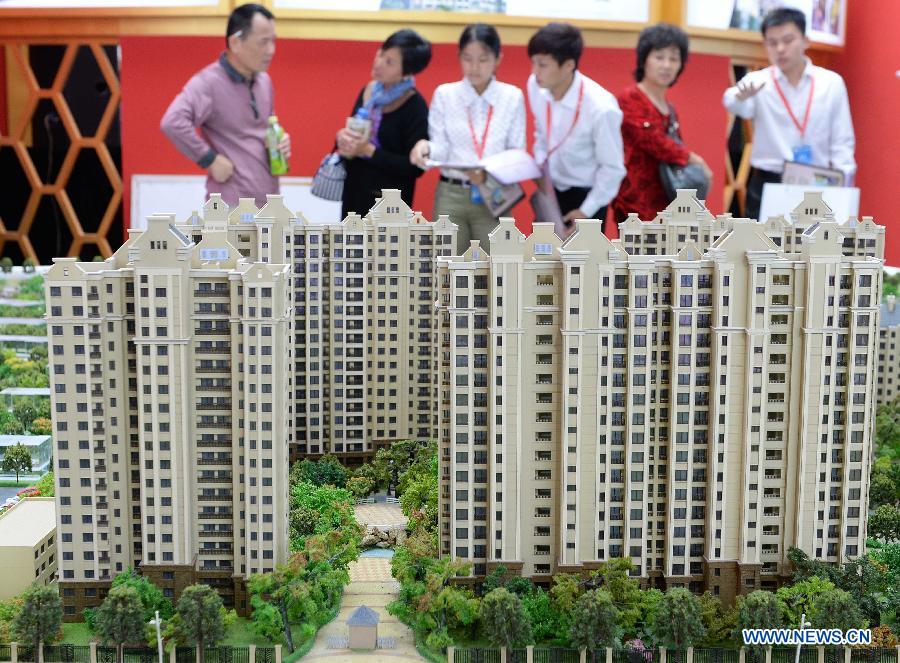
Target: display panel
pixel 636 11
pixel 825 19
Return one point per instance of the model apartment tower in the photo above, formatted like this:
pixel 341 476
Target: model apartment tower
pixel 364 342
pixel 171 382
pixel 888 388
pixel 698 410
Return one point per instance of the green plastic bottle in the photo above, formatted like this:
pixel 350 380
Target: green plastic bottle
pixel 278 165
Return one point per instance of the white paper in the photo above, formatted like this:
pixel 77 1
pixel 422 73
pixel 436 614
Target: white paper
pixel 511 166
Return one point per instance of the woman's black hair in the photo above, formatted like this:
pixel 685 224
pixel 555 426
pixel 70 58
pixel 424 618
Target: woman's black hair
pixel 561 41
pixel 656 37
pixel 415 49
pixel 483 34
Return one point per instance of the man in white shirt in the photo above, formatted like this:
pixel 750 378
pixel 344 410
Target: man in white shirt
pixel 800 112
pixel 577 126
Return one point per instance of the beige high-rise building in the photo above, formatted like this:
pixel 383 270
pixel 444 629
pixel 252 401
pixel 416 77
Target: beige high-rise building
pixel 27 545
pixel 698 411
pixel 364 343
pixel 888 386
pixel 170 371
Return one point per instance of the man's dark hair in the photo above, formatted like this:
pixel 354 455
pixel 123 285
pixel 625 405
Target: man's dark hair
pixel 482 33
pixel 782 16
pixel 656 37
pixel 561 41
pixel 415 49
pixel 241 20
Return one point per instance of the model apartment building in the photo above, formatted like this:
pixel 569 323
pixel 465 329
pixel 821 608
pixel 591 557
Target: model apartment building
pixel 888 386
pixel 171 382
pixel 364 342
pixel 698 397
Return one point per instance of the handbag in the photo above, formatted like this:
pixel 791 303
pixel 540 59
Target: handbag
pixel 674 177
pixel 328 182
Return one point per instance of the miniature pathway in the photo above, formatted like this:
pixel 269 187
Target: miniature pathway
pixel 371 584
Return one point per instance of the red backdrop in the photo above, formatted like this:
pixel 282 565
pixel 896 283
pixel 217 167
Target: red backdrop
pixel 869 65
pixel 317 81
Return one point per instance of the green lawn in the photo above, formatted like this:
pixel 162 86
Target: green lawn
pixel 240 634
pixel 76 633
pixel 23 482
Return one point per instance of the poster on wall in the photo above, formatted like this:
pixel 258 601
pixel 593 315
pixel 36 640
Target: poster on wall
pixel 825 19
pixel 603 10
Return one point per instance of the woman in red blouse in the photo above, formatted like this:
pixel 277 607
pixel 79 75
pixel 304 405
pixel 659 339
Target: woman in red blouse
pixel 662 52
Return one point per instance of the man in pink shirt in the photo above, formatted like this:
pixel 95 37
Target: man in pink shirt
pixel 230 102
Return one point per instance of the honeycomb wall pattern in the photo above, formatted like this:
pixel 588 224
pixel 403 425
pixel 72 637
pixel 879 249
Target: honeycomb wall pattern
pixel 78 143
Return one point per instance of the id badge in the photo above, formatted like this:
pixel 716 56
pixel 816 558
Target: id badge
pixel 475 195
pixel 802 153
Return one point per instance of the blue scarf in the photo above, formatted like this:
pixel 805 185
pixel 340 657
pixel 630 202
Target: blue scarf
pixel 382 96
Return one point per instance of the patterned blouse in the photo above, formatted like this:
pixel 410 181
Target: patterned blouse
pixel 647 144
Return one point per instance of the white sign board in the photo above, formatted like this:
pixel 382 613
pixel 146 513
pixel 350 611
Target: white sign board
pixel 182 194
pixel 780 199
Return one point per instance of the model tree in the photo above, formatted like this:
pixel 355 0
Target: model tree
pixel 120 618
pixel 884 524
pixel 17 459
pixel 759 609
pixel 503 619
pixel 677 624
pixel 836 609
pixel 150 595
pixel 199 613
pixel 40 617
pixel 595 622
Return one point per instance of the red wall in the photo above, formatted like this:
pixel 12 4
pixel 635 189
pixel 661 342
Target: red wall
pixel 317 81
pixel 868 65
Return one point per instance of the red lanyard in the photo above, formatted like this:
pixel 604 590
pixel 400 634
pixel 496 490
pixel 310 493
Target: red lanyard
pixel 553 149
pixel 479 147
pixel 812 86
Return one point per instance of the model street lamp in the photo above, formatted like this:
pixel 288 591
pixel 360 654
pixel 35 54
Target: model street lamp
pixel 157 623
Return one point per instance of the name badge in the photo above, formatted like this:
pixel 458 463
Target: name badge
pixel 475 195
pixel 802 153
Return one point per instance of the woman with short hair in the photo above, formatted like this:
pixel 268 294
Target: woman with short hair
pixel 471 119
pixel 647 123
pixel 399 119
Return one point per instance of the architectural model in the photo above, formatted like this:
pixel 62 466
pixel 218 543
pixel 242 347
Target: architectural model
pixel 697 396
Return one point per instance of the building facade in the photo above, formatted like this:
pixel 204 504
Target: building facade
pixel 698 411
pixel 27 545
pixel 888 387
pixel 170 392
pixel 364 346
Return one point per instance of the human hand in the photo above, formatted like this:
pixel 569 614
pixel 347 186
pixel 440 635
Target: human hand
pixel 285 146
pixel 748 89
pixel 574 214
pixel 350 143
pixel 477 175
pixel 221 169
pixel 419 154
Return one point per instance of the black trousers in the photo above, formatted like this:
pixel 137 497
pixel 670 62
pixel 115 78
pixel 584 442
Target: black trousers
pixel 754 190
pixel 572 198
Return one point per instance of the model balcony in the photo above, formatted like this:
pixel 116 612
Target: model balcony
pixel 212 330
pixel 215 516
pixel 216 551
pixel 218 350
pixel 215 498
pixel 215 292
pixel 222 479
pixel 214 406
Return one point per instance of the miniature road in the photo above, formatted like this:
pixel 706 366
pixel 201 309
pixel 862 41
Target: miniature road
pixel 371 584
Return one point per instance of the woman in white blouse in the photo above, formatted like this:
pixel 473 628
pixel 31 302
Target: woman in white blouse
pixel 469 120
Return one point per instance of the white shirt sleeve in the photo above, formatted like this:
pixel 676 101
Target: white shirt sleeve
pixel 843 141
pixel 746 108
pixel 515 138
pixel 610 158
pixel 438 140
